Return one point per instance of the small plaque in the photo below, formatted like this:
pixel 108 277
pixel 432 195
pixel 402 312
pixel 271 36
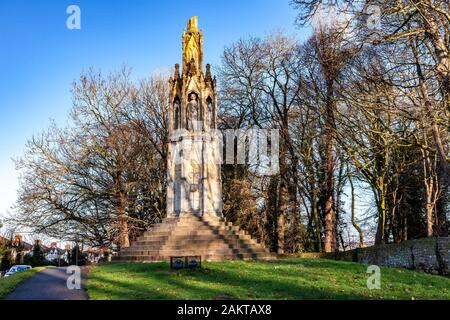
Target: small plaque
pixel 193 262
pixel 177 263
pixel 187 262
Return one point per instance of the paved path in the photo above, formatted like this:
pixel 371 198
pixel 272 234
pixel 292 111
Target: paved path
pixel 50 284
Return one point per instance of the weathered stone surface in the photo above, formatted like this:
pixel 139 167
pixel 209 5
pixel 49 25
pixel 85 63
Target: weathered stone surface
pixel 430 255
pixel 210 237
pixel 194 152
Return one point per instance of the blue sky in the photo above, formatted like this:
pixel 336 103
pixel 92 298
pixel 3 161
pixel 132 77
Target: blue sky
pixel 40 57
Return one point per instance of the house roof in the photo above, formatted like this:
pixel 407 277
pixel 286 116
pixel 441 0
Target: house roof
pixel 29 247
pixel 26 245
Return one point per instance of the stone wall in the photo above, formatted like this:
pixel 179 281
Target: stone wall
pixel 430 255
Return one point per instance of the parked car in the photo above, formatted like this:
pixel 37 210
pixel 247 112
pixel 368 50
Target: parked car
pixel 16 269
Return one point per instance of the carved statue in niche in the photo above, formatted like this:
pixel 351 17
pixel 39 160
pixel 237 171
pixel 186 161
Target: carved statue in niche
pixel 210 112
pixel 192 106
pixel 176 110
pixel 192 68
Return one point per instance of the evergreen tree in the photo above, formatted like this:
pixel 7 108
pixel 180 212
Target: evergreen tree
pixel 38 258
pixel 76 256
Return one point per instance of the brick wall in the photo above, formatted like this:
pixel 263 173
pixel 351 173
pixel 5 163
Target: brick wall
pixel 430 255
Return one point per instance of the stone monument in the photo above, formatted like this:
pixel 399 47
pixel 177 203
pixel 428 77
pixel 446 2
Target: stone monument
pixel 194 180
pixel 194 225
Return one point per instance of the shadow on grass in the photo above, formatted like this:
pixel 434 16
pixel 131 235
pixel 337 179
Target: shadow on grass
pixel 156 282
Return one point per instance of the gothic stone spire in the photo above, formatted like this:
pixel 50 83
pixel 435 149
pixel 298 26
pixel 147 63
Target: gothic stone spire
pixel 192 48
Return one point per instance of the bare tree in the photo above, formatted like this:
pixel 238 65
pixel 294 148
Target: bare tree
pixel 96 179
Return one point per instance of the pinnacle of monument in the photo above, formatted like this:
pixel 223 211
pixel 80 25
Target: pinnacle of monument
pixel 193 24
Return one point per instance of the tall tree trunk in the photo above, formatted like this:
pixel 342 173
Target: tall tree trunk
pixel 444 173
pixel 330 214
pixel 293 199
pixel 354 224
pixel 380 191
pixel 317 225
pixel 441 49
pixel 124 240
pixel 282 197
pixel 442 54
pixel 431 192
pixel 281 230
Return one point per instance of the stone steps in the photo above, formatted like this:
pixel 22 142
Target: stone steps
pixel 207 257
pixel 199 238
pixel 194 238
pixel 199 230
pixel 212 238
pixel 187 229
pixel 196 244
pixel 180 250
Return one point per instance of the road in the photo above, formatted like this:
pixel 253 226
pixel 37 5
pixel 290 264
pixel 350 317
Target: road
pixel 50 284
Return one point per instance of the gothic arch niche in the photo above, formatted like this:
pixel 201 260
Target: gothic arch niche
pixel 211 112
pixel 176 114
pixel 193 112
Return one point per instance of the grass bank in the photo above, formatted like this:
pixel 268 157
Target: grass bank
pixel 8 284
pixel 292 278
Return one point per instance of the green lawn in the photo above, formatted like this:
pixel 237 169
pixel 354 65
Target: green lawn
pixel 293 278
pixel 8 284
